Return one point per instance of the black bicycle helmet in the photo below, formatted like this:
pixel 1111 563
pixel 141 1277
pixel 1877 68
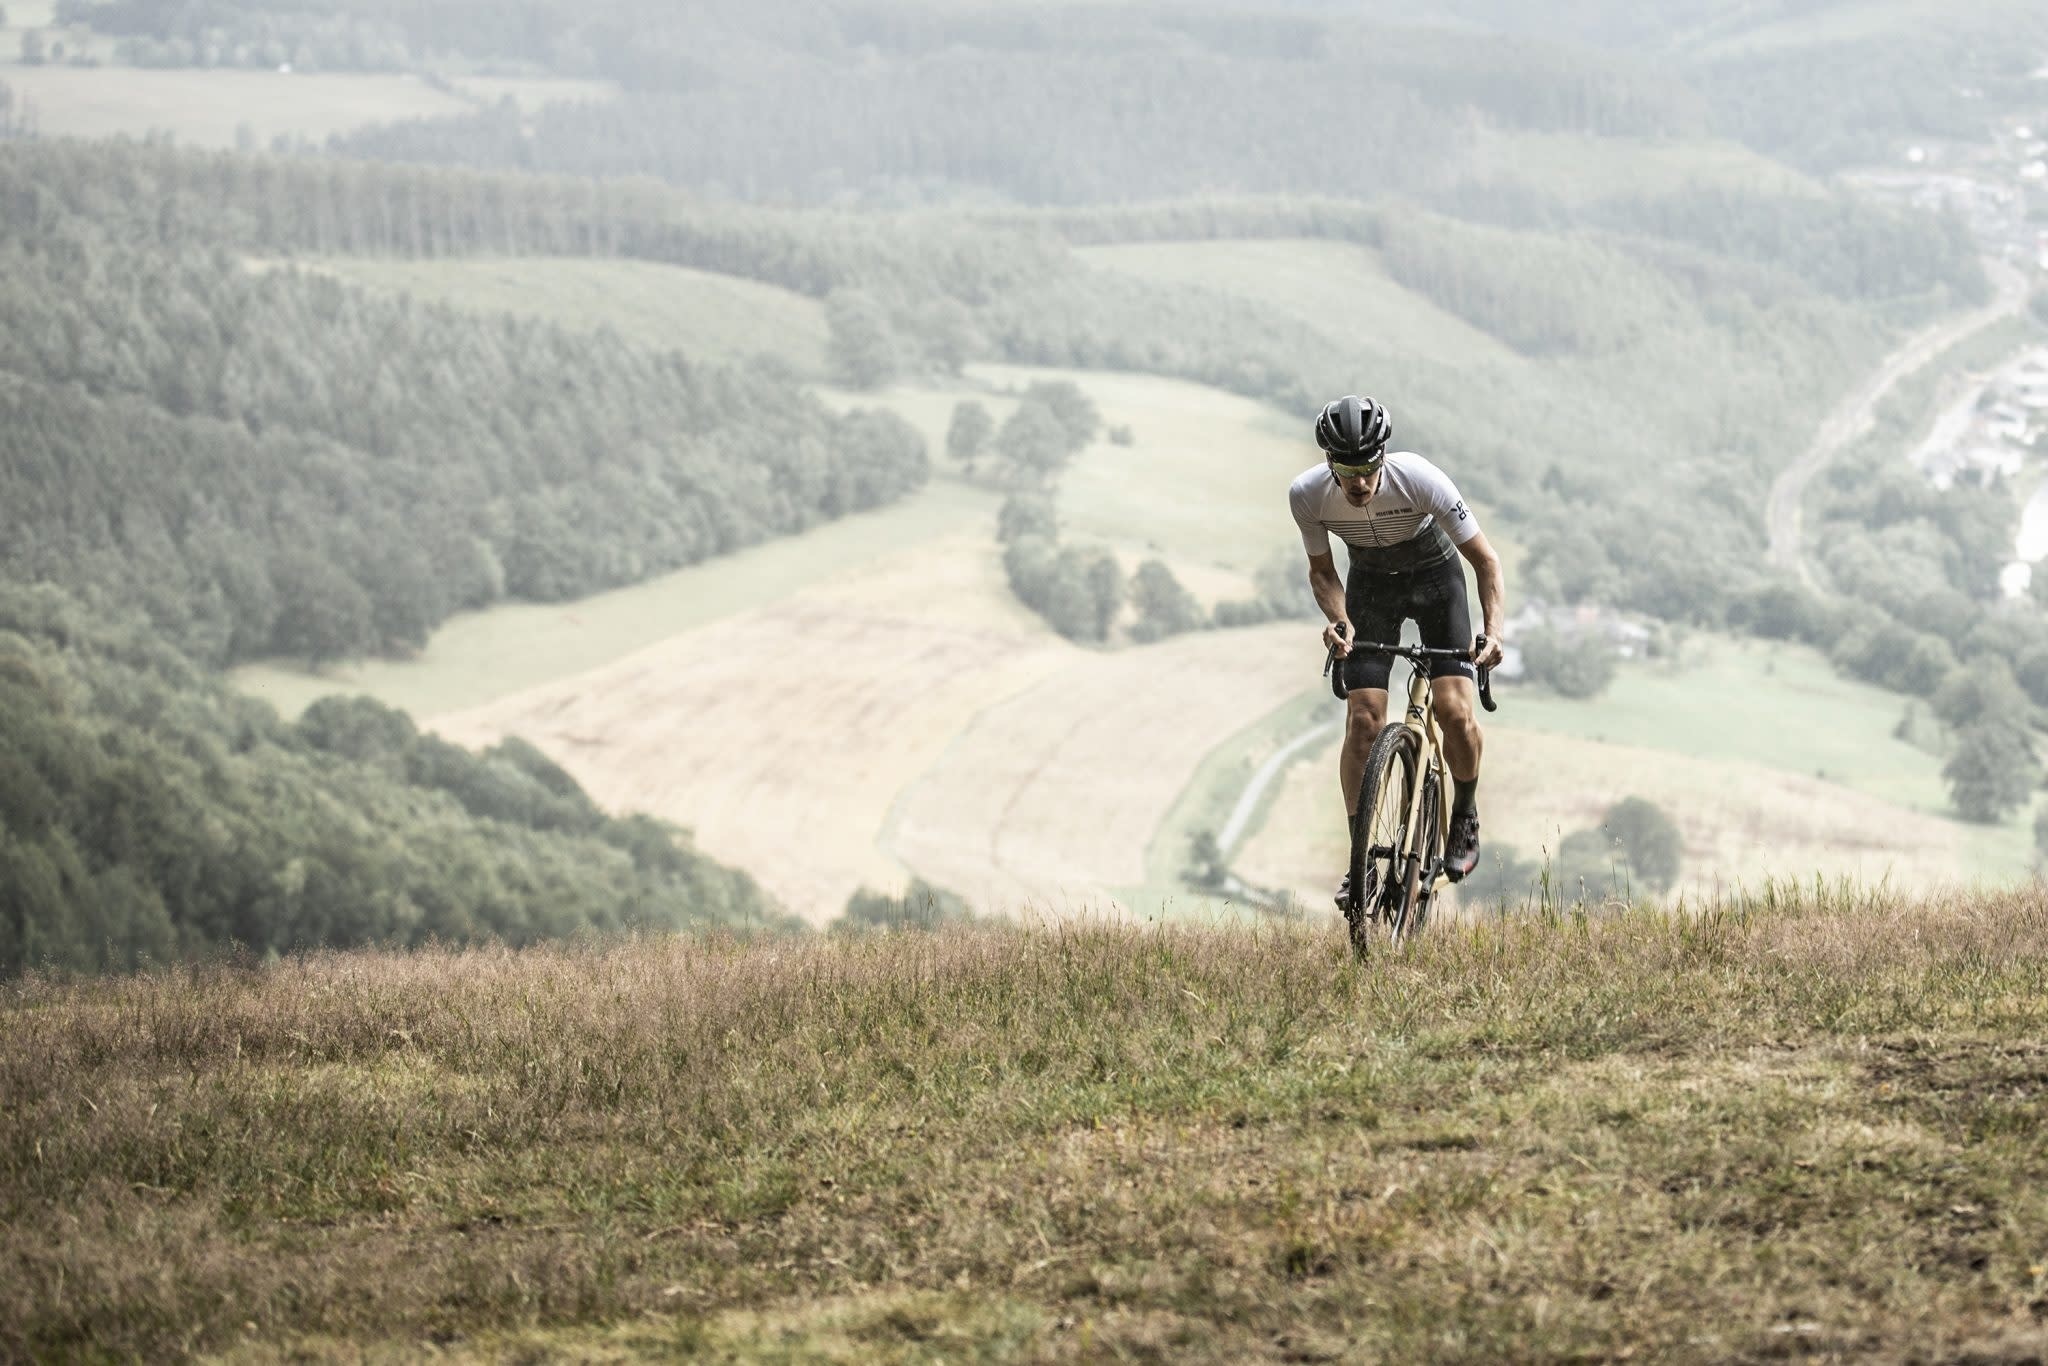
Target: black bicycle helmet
pixel 1355 431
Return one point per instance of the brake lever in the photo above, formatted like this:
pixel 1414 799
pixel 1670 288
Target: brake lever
pixel 1485 677
pixel 1335 674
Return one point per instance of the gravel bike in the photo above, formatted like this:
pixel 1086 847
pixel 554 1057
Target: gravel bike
pixel 1402 821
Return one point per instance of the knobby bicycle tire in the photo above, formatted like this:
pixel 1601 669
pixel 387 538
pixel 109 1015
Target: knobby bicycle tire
pixel 1411 917
pixel 1378 890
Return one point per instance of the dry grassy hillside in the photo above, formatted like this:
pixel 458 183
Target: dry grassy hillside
pixel 1782 1128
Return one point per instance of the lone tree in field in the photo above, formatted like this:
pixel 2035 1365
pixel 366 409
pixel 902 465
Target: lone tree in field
pixel 921 907
pixel 1578 664
pixel 1206 867
pixel 1027 514
pixel 1076 411
pixel 1992 772
pixel 967 435
pixel 1033 443
pixel 1163 606
pixel 862 344
pixel 1106 589
pixel 1648 839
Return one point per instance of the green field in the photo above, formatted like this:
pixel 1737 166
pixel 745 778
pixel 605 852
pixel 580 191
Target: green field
pixel 480 656
pixel 1583 169
pixel 1316 282
pixel 213 108
pixel 1764 702
pixel 662 307
pixel 1782 706
pixel 27 14
pixel 1827 25
pixel 1204 481
pixel 1786 1127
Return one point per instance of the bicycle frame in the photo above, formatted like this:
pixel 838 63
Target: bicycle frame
pixel 1421 718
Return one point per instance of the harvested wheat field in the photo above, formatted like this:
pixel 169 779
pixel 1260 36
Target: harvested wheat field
pixel 1050 797
pixel 781 736
pixel 1742 823
pixel 907 718
pixel 1779 1129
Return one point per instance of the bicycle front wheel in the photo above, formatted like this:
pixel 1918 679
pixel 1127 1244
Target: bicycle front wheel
pixel 1418 883
pixel 1380 885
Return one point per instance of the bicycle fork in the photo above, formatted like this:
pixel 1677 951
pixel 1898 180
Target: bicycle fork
pixel 1428 775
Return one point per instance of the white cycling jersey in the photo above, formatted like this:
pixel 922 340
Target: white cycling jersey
pixel 1395 527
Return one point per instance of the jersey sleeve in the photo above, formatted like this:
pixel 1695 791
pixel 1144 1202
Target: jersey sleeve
pixel 1315 539
pixel 1440 496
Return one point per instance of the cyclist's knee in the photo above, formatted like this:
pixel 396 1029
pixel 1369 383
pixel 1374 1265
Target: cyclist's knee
pixel 1364 717
pixel 1453 705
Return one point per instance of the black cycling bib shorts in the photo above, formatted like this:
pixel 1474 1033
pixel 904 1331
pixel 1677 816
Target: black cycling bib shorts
pixel 1379 600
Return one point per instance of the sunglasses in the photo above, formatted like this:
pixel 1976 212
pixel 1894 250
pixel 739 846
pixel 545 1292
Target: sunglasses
pixel 1356 471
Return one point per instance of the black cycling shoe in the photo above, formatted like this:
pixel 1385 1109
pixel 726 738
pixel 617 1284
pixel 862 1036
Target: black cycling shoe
pixel 1344 893
pixel 1461 854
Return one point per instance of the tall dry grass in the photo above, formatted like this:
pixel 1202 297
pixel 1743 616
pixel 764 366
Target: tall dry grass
pixel 1810 1119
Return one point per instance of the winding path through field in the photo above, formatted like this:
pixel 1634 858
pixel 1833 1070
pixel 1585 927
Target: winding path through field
pixel 1248 800
pixel 1856 414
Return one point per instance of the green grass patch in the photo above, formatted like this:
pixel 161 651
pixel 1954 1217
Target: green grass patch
pixel 1333 286
pixel 1832 25
pixel 1797 1121
pixel 1777 704
pixel 213 108
pixel 661 307
pixel 481 656
pixel 1766 702
pixel 1583 169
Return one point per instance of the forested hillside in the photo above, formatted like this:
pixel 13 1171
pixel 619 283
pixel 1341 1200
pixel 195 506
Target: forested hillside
pixel 148 813
pixel 273 463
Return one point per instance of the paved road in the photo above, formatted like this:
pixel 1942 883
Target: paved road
pixel 1856 415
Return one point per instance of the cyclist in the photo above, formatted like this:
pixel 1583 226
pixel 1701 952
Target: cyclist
pixel 1401 520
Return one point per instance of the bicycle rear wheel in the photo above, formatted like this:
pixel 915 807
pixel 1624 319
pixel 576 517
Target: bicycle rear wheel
pixel 1380 891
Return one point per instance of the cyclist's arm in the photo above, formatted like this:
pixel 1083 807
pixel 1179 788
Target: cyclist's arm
pixel 1328 586
pixel 1486 569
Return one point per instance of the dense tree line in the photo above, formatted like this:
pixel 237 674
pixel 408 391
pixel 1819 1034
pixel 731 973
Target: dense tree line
pixel 1062 124
pixel 1833 104
pixel 147 813
pixel 153 196
pixel 1083 128
pixel 275 462
pixel 287 465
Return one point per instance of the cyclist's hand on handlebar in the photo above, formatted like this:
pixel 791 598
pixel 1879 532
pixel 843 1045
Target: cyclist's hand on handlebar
pixel 1486 652
pixel 1337 636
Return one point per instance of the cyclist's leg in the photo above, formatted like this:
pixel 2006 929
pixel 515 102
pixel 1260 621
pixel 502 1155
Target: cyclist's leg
pixel 1377 608
pixel 1443 617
